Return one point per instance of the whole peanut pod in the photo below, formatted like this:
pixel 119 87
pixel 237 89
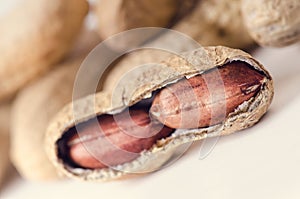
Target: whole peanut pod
pixel 209 22
pixel 216 22
pixel 87 146
pixel 34 107
pixel 47 94
pixel 115 17
pixel 121 15
pixel 118 16
pixel 272 23
pixel 30 45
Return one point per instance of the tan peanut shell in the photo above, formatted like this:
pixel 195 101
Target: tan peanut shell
pixel 34 107
pixel 140 86
pixel 216 22
pixel 4 140
pixel 32 110
pixel 121 15
pixel 209 22
pixel 272 23
pixel 34 36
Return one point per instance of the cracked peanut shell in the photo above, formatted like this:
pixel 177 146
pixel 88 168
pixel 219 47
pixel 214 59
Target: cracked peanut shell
pixel 142 86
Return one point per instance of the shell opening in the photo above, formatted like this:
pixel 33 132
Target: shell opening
pixel 114 139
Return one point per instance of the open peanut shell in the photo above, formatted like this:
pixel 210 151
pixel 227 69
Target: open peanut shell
pixel 141 87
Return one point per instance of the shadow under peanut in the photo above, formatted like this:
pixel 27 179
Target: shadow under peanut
pixel 10 178
pixel 287 90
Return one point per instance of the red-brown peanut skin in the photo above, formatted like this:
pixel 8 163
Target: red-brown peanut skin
pixel 206 99
pixel 121 138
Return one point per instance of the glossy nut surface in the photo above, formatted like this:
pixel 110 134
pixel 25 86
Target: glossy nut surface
pixel 112 140
pixel 206 99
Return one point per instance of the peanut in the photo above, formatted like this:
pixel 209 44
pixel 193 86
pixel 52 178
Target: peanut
pixel 184 104
pixel 272 23
pixel 119 15
pixel 238 93
pixel 50 95
pixel 206 99
pixel 40 46
pixel 119 140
